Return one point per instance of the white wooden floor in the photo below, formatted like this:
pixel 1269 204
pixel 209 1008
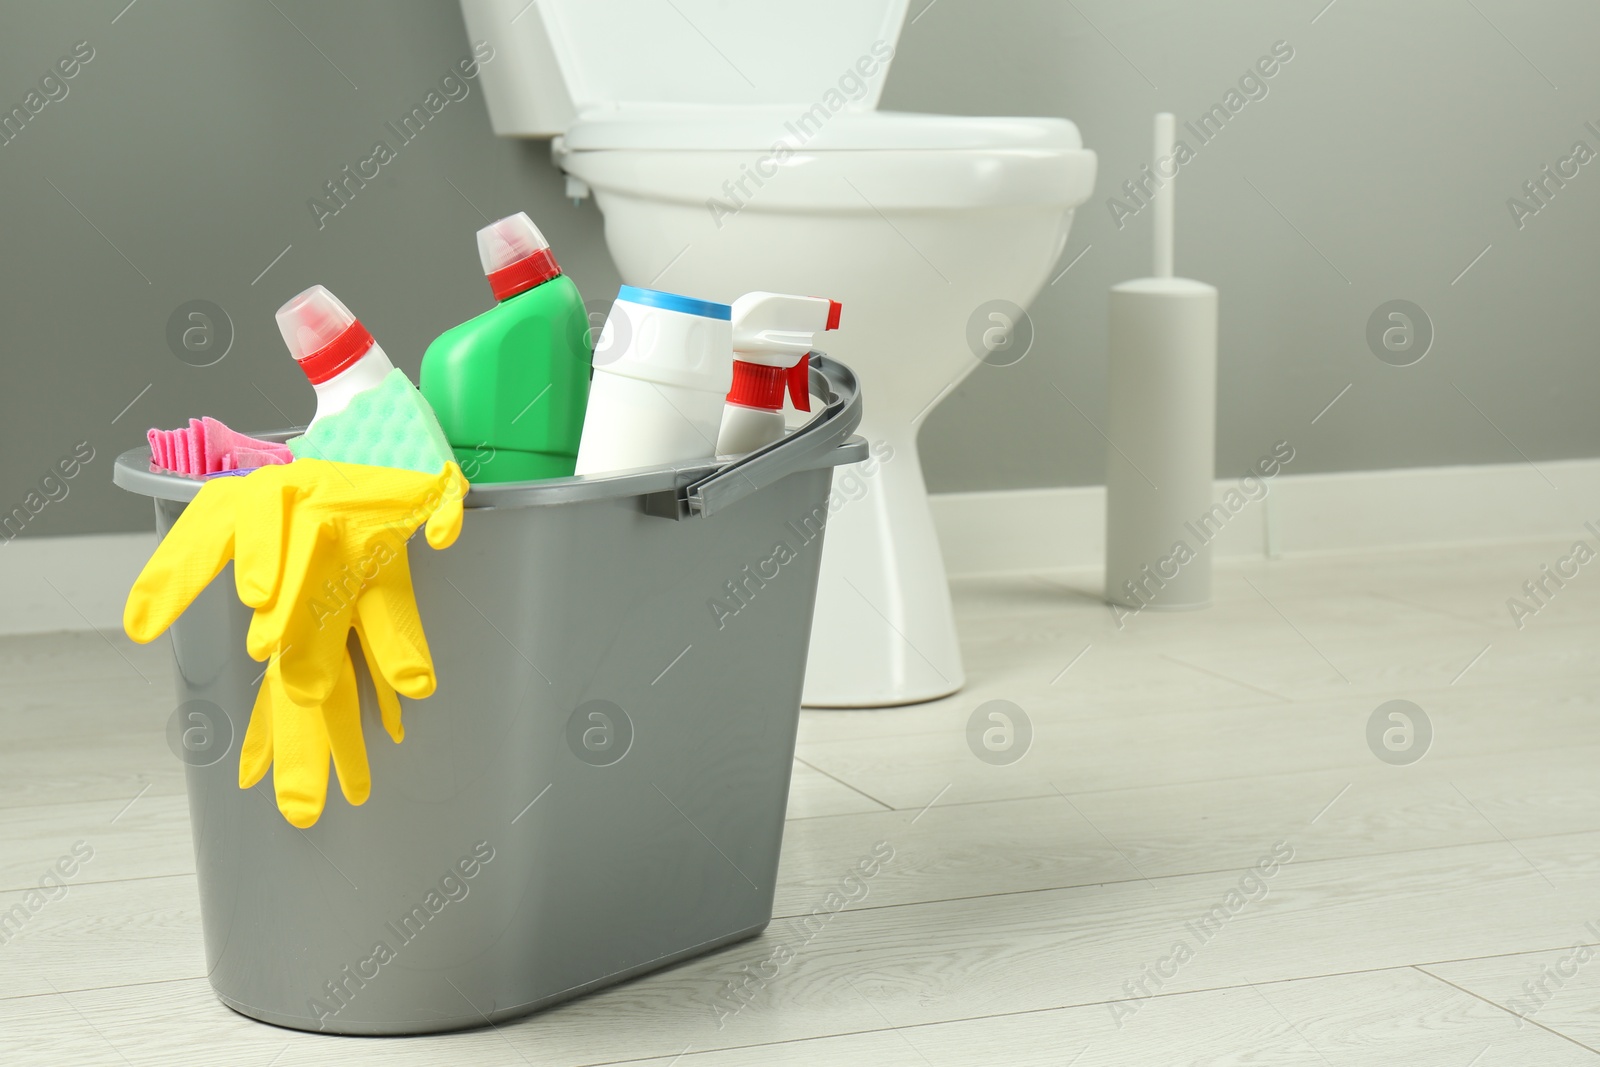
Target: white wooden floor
pixel 1025 903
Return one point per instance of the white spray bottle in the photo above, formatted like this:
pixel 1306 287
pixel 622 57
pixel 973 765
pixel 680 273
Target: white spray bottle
pixel 773 335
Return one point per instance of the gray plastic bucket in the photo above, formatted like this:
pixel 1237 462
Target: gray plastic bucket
pixel 597 788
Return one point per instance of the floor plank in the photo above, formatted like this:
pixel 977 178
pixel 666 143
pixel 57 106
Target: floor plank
pixel 1558 989
pixel 1078 747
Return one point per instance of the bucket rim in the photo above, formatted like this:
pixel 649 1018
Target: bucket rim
pixel 676 491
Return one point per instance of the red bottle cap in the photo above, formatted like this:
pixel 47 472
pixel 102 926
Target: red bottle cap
pixel 758 386
pixel 338 355
pixel 322 334
pixel 515 255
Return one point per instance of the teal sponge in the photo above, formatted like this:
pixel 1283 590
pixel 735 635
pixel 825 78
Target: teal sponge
pixel 388 426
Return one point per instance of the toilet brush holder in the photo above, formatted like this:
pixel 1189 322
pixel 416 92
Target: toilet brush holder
pixel 1161 424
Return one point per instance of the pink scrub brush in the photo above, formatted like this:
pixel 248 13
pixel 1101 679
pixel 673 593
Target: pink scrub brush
pixel 206 446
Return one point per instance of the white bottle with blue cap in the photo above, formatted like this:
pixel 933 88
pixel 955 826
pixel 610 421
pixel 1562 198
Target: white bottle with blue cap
pixel 662 370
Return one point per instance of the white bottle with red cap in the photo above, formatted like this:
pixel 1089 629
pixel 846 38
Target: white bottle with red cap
pixel 336 352
pixel 368 411
pixel 773 335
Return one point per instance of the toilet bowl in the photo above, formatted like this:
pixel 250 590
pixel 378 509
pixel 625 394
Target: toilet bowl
pixel 913 222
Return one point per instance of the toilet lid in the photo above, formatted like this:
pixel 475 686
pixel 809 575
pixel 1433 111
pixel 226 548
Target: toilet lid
pixel 654 127
pixel 749 53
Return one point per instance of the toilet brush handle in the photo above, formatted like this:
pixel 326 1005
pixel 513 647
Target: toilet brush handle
pixel 1162 201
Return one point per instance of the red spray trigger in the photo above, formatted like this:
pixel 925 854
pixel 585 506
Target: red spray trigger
pixel 800 383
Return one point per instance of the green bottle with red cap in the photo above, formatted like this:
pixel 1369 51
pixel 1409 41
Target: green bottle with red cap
pixel 510 386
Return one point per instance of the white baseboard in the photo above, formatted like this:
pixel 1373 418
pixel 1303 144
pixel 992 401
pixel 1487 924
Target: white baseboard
pixel 68 583
pixel 1040 529
pixel 72 583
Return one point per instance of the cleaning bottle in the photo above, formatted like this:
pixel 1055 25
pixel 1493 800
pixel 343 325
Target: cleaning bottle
pixel 659 399
pixel 772 338
pixel 367 409
pixel 510 386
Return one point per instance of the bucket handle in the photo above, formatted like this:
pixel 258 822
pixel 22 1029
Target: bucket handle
pixel 832 381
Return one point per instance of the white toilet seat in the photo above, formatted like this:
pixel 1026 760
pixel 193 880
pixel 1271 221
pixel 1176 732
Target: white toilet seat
pixel 683 127
pixel 893 159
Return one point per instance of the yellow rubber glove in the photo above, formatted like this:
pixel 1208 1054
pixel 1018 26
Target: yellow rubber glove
pixel 327 546
pixel 296 742
pixel 319 549
pixel 314 543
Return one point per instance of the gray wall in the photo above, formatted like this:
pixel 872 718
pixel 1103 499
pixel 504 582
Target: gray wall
pixel 1391 142
pixel 1377 166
